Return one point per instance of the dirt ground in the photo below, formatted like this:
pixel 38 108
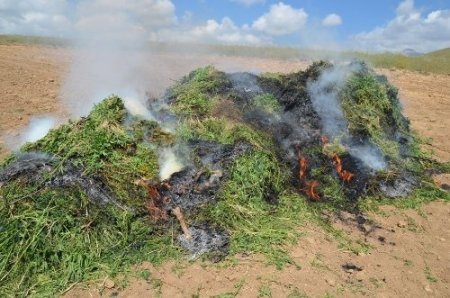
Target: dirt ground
pixel 410 249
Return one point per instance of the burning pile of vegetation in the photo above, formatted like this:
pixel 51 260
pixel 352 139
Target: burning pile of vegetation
pixel 229 163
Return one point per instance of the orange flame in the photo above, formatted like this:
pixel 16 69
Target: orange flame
pixel 345 175
pixel 311 190
pixel 303 165
pixel 154 200
pixel 308 187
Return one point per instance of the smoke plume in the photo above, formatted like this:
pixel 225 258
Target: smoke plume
pixel 326 102
pixel 110 41
pixel 325 99
pixel 37 129
pixel 170 162
pixel 111 57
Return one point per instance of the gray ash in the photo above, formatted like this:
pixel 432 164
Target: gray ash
pixel 205 239
pixel 189 188
pixel 399 187
pixel 93 185
pixel 244 85
pixel 29 165
pixel 37 167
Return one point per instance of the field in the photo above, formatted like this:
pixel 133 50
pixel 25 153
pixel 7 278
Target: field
pixel 407 255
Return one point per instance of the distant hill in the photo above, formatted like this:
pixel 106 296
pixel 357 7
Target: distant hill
pixel 411 53
pixel 444 53
pixel 435 62
pixel 32 40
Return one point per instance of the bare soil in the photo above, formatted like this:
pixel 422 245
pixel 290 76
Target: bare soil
pixel 30 78
pixel 410 249
pixel 426 101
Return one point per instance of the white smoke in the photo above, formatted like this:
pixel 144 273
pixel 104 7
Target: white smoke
pixel 110 58
pixel 137 108
pixel 370 155
pixel 37 129
pixel 170 163
pixel 110 41
pixel 325 100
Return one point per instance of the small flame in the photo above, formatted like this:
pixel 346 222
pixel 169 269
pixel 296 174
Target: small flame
pixel 311 190
pixel 308 187
pixel 154 202
pixel 303 164
pixel 345 175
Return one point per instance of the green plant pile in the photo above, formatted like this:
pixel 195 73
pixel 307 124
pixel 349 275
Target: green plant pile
pixel 373 111
pixel 53 238
pixel 50 239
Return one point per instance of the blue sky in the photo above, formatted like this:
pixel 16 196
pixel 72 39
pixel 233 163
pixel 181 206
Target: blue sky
pixel 373 25
pixel 357 15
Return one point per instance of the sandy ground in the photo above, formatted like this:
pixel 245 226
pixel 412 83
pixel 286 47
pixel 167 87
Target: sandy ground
pixel 410 249
pixel 426 101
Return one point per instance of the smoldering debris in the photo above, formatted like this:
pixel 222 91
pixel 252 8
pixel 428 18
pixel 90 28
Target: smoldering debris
pixel 29 165
pixel 37 167
pixel 311 111
pixel 399 187
pixel 205 239
pixel 94 187
pixel 297 119
pixel 198 183
pixel 188 189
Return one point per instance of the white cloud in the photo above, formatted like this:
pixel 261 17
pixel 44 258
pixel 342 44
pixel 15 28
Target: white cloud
pixel 224 31
pixel 112 21
pixel 147 13
pixel 406 7
pixel 248 2
pixel 62 17
pixel 282 19
pixel 409 29
pixel 332 20
pixel 38 17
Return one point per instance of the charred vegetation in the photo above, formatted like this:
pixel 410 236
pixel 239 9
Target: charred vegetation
pixel 257 155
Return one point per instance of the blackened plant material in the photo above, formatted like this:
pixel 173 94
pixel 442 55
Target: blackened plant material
pixel 198 184
pixel 92 185
pixel 30 165
pixel 35 167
